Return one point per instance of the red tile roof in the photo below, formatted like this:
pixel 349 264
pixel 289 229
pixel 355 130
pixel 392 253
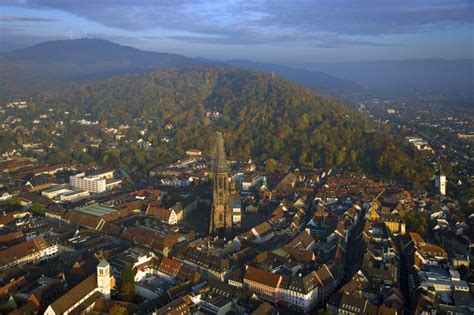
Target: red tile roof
pixel 262 277
pixel 161 213
pixel 7 219
pixel 433 250
pixel 170 267
pixel 21 250
pixel 74 295
pixel 417 239
pixel 5 238
pixel 303 240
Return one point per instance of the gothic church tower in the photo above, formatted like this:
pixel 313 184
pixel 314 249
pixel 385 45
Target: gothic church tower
pixel 221 212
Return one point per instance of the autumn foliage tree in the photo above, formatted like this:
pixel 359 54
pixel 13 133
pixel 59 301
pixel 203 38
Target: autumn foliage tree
pixel 261 117
pixel 127 287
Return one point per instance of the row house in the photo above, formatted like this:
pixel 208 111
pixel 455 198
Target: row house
pixel 165 215
pixel 300 293
pixel 204 262
pixel 264 284
pixel 31 251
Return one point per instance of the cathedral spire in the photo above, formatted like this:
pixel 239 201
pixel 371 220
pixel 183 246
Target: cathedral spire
pixel 221 213
pixel 219 161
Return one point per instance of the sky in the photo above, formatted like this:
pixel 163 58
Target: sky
pixel 288 32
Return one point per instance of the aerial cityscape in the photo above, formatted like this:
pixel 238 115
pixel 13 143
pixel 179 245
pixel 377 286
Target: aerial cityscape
pixel 237 157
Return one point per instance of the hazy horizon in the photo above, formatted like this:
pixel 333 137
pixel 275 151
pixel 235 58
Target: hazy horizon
pixel 300 32
pixel 294 65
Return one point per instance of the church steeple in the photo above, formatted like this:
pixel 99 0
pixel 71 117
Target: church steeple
pixel 221 214
pixel 219 160
pixel 440 180
pixel 104 278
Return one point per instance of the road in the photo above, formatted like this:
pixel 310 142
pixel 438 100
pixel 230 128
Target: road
pixel 355 249
pixel 403 280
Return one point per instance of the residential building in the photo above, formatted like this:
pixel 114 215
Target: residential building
pixel 264 284
pixel 167 216
pixel 194 152
pixel 236 206
pixel 441 182
pixel 31 251
pixel 94 181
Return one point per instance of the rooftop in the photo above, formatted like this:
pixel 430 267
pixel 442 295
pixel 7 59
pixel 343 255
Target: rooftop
pixel 96 210
pixel 262 277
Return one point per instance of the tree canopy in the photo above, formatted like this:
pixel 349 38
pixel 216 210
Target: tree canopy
pixel 261 116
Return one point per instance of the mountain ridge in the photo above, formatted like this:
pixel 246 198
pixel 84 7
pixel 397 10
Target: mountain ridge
pixel 49 64
pixel 315 80
pixel 54 63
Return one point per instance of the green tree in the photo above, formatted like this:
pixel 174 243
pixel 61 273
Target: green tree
pixel 118 309
pixel 111 158
pixel 10 205
pixel 127 288
pixel 418 222
pixel 37 210
pixel 59 157
pixel 171 200
pixel 261 117
pixel 271 165
pixel 206 121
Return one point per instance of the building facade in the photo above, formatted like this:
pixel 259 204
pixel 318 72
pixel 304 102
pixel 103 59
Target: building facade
pixel 95 184
pixel 95 181
pixel 31 251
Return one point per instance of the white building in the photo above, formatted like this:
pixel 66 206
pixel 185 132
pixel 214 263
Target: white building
pixel 74 195
pixel 95 182
pixel 64 193
pixel 253 180
pixel 236 205
pixel 5 196
pixel 301 293
pixel 55 191
pixel 103 278
pixel 262 232
pixel 194 152
pixel 441 182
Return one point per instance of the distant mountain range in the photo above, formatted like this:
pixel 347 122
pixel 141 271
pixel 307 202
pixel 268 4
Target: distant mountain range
pixel 436 75
pixel 57 62
pixel 54 63
pixel 315 80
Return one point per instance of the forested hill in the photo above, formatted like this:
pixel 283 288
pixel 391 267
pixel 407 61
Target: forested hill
pixel 315 80
pixel 54 63
pixel 262 116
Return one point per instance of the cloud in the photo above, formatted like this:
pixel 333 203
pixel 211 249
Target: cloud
pixel 4 30
pixel 20 18
pixel 312 40
pixel 367 17
pixel 323 23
